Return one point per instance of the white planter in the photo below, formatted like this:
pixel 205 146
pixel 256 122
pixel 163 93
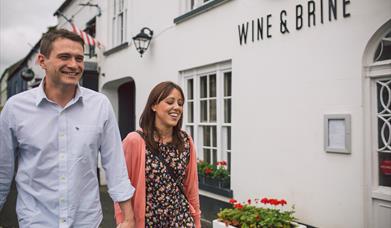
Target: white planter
pixel 218 224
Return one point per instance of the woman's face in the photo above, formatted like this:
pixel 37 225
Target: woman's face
pixel 169 110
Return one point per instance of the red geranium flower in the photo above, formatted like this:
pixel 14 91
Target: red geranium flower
pixel 274 202
pixel 232 201
pixel 264 201
pixel 238 206
pixel 283 202
pixel 249 201
pixel 208 171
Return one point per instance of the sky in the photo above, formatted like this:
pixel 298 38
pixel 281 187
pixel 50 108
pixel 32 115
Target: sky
pixel 22 23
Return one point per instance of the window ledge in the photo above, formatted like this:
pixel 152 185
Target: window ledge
pixel 199 10
pixel 116 49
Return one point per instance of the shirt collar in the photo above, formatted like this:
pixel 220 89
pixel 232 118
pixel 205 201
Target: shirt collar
pixel 41 95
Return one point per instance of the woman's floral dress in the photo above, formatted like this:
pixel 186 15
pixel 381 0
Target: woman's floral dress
pixel 166 206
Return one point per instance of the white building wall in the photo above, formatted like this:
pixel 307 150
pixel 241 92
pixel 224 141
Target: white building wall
pixel 282 88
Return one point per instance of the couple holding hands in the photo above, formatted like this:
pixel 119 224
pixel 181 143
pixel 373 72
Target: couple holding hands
pixel 54 133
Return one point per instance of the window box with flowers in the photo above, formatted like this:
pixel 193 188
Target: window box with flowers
pixel 251 214
pixel 214 177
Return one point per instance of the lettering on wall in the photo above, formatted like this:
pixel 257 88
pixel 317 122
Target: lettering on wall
pixel 305 15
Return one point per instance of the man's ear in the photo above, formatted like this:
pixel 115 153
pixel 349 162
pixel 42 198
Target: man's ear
pixel 41 61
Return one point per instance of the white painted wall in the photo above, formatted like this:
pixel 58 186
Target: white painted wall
pixel 282 88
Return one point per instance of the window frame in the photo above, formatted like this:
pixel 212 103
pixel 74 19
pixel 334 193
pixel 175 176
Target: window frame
pixel 118 27
pixel 200 7
pixel 196 73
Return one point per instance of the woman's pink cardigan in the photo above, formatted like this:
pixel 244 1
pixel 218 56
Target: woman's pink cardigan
pixel 134 148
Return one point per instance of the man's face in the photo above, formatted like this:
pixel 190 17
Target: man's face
pixel 65 64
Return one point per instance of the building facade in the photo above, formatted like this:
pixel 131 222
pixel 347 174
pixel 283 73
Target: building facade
pixel 294 94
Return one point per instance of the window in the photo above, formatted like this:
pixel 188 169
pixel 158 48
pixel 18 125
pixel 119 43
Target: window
pixel 382 111
pixel 208 110
pixel 119 22
pixel 192 4
pixel 191 8
pixel 383 95
pixel 383 51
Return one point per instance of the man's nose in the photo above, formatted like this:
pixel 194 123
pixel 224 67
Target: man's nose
pixel 72 62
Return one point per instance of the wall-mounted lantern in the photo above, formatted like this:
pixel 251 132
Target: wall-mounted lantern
pixel 142 40
pixel 28 74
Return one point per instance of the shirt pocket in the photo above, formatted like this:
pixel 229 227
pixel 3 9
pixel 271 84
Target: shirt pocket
pixel 85 140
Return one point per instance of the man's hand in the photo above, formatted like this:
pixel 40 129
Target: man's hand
pixel 127 212
pixel 127 224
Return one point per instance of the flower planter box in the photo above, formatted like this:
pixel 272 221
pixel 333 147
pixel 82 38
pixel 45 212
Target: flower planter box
pixel 218 224
pixel 212 182
pixel 201 179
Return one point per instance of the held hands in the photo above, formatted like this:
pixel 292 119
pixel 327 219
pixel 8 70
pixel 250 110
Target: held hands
pixel 127 224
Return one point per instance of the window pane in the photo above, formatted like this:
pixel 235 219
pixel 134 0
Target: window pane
pixel 214 156
pixel 228 138
pixel 383 114
pixel 120 28
pixel 121 5
pixel 190 89
pixel 214 136
pixel 227 110
pixel 227 84
pixel 203 87
pixel 229 161
pixel 383 51
pixel 190 112
pixel 206 136
pixel 212 111
pixel 207 155
pixel 212 85
pixel 190 130
pixel 204 111
pixel 385 169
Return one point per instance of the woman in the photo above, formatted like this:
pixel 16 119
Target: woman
pixel 162 166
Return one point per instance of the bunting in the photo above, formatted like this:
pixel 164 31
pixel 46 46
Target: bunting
pixel 91 41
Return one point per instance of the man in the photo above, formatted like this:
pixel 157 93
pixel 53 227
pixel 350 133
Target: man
pixel 55 132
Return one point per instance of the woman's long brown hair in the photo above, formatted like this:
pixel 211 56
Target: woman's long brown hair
pixel 147 119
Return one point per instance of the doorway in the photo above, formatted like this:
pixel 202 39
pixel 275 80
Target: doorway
pixel 377 91
pixel 126 106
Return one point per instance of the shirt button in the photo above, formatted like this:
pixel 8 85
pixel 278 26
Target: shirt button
pixel 62 220
pixel 62 178
pixel 61 134
pixel 62 156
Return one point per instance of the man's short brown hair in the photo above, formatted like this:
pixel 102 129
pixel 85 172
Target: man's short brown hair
pixel 49 37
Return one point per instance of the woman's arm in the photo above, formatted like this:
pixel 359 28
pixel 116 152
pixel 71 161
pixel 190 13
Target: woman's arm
pixel 191 186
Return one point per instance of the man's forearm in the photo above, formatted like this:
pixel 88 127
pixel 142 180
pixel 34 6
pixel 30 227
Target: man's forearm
pixel 127 211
